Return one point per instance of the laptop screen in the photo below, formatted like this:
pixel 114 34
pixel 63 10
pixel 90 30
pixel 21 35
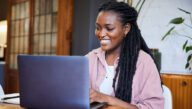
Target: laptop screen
pixel 54 81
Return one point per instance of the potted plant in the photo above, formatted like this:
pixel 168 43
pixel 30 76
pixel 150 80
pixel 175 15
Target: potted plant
pixel 187 46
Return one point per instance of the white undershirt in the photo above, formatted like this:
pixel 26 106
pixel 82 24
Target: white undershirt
pixel 106 85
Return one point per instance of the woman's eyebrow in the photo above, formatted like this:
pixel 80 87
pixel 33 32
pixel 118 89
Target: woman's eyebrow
pixel 96 24
pixel 108 24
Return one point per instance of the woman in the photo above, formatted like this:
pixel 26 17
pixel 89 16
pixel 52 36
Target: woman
pixel 122 70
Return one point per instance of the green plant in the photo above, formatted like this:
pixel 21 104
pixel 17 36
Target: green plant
pixel 187 46
pixel 138 6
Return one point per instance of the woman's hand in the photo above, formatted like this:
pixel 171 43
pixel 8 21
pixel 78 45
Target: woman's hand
pixel 96 96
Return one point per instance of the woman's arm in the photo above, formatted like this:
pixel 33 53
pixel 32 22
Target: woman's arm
pixel 96 96
pixel 146 88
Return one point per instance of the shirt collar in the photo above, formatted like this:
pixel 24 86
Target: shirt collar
pixel 101 55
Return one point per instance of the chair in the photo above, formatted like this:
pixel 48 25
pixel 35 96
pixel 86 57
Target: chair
pixel 168 97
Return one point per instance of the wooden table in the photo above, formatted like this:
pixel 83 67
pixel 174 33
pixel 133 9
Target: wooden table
pixel 9 106
pixel 13 106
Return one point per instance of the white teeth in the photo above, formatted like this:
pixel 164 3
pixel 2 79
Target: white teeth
pixel 105 41
pixel 106 37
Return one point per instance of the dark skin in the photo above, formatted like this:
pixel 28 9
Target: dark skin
pixel 110 32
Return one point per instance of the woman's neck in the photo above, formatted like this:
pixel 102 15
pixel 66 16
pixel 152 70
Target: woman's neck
pixel 111 56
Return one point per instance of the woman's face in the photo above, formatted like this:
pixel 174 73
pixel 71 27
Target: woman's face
pixel 109 30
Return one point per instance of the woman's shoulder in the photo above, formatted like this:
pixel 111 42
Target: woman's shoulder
pixel 93 53
pixel 145 61
pixel 144 57
pixel 145 67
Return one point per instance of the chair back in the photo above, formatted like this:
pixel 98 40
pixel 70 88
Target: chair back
pixel 168 97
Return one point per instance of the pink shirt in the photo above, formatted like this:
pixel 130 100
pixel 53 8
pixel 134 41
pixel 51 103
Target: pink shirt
pixel 146 87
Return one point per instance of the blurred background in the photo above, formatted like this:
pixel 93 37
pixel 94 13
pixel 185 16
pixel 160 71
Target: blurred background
pixel 66 27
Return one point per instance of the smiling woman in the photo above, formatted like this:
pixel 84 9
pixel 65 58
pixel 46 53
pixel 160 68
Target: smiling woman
pixel 109 31
pixel 122 70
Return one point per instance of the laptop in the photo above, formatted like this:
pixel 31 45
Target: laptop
pixel 53 82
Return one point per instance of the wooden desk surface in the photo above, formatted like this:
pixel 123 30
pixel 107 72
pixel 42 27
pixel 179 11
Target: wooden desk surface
pixel 13 106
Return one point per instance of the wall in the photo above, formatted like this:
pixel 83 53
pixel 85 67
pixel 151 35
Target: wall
pixel 80 27
pixel 3 4
pixel 153 22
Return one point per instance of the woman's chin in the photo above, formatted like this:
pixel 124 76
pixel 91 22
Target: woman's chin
pixel 104 48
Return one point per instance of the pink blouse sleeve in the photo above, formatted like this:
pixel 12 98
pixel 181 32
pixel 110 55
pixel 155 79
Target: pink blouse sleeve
pixel 91 58
pixel 148 92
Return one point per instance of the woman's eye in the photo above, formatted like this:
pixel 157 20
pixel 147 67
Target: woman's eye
pixel 110 29
pixel 98 28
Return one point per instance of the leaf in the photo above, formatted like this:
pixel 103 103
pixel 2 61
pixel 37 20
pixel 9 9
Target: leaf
pixel 187 65
pixel 188 48
pixel 184 45
pixel 177 20
pixel 188 58
pixel 184 11
pixel 137 4
pixel 168 33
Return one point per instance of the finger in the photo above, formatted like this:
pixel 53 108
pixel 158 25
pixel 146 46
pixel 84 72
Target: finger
pixel 96 96
pixel 91 100
pixel 94 99
pixel 93 94
pixel 91 91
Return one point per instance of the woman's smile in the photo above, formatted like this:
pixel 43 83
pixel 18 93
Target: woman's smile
pixel 104 41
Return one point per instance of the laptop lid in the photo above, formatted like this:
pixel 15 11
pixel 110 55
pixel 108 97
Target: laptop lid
pixel 53 82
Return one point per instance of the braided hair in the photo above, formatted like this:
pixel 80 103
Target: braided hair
pixel 131 45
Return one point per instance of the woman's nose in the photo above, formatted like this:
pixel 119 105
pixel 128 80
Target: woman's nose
pixel 102 33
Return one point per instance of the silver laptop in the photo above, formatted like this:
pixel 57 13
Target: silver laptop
pixel 53 82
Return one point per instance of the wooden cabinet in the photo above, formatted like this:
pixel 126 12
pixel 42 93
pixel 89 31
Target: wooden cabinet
pixel 181 89
pixel 36 27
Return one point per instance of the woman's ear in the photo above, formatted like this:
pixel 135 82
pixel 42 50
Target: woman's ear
pixel 127 28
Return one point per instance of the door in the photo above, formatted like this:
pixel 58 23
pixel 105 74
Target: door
pixel 36 27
